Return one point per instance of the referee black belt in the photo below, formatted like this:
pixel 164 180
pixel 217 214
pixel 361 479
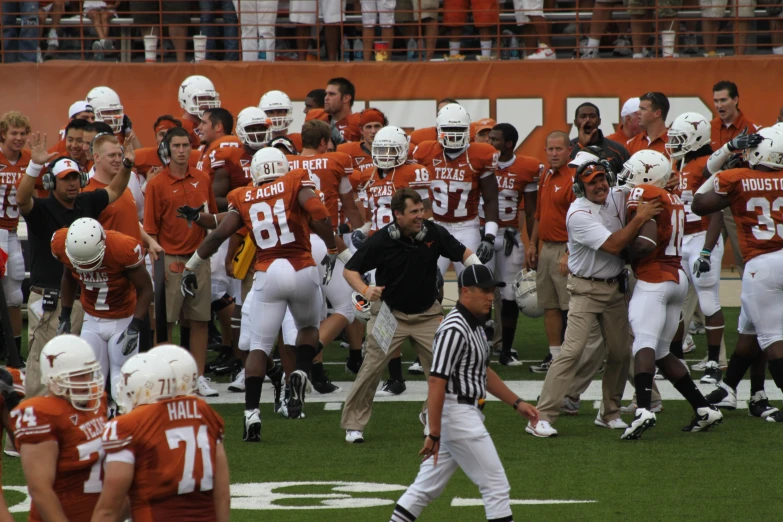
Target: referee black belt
pixel 478 403
pixel 608 280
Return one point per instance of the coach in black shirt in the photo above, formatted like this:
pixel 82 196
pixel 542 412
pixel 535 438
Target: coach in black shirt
pixel 405 257
pixel 44 216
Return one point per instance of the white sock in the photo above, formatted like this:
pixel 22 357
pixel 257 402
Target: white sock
pixel 555 351
pixel 486 48
pixel 454 48
pixel 593 43
pixel 638 55
pixel 777 50
pixel 52 33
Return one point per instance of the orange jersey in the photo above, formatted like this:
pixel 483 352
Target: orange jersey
pixel 422 135
pixel 328 169
pixel 191 126
pixel 362 160
pixel 278 222
pixel 210 161
pixel 642 142
pixel 349 127
pixel 78 476
pixel 183 433
pixel 555 195
pixel 106 292
pixel 757 206
pixel 454 187
pixel 10 175
pixel 296 138
pixel 691 178
pixel 236 161
pixel 721 134
pixel 664 262
pixel 513 180
pixel 120 215
pixel 380 189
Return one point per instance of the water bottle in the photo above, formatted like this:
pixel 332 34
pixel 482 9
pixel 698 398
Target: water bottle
pixel 358 50
pixel 514 54
pixel 505 43
pixel 346 50
pixel 412 50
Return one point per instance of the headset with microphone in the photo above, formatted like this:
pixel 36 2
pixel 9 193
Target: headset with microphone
pixel 49 179
pixel 396 234
pixel 164 149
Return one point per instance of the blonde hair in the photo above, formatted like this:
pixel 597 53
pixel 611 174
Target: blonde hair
pixel 14 119
pixel 100 139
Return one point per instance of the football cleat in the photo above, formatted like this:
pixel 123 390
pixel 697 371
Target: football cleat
pixel 643 420
pixel 542 429
pixel 544 366
pixel 699 366
pixel 712 373
pixel 655 407
pixel 723 397
pixel 299 386
pixel 416 368
pixel 759 405
pixel 325 386
pixel 509 359
pixel 774 417
pixel 570 406
pixel 354 436
pixel 704 419
pixel 252 430
pixel 391 388
pixel 238 384
pixel 658 375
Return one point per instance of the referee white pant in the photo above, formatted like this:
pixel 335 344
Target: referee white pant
pixel 464 443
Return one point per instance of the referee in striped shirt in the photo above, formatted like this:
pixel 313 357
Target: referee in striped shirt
pixel 458 384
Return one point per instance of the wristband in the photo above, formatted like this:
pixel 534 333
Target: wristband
pixel 706 252
pixel 34 169
pixel 472 260
pixel 516 403
pixel 331 251
pixel 194 262
pixel 65 312
pixel 344 256
pixel 364 292
pixel 490 228
pixel 433 438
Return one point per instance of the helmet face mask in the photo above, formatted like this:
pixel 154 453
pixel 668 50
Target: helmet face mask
pixel 390 148
pixel 70 370
pixel 253 128
pixel 453 126
pixel 278 107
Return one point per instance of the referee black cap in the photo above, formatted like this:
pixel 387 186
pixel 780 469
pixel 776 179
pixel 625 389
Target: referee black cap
pixel 480 276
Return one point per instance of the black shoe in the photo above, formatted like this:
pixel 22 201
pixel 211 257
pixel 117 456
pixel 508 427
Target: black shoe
pixel 544 366
pixel 324 386
pixel 227 366
pixel 509 359
pixel 353 366
pixel 775 417
pixel 704 419
pixel 391 388
pixel 712 373
pixel 759 405
pixel 221 360
pixel 298 382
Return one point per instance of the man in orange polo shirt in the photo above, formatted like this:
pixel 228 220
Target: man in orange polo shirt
pixel 147 157
pixel 340 95
pixel 653 109
pixel 177 185
pixel 629 122
pixel 428 133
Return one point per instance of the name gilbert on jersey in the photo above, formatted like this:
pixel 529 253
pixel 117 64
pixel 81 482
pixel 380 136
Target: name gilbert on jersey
pixel 266 191
pixel 311 164
pixel 93 428
pixel 183 410
pixel 449 174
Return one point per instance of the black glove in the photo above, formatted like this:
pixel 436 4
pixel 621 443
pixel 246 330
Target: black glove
pixel 744 141
pixel 189 284
pixel 65 321
pixel 510 240
pixel 702 265
pixel 7 390
pixel 127 125
pixel 129 340
pixel 190 214
pixel 486 249
pixel 328 261
pixel 343 229
pixel 358 238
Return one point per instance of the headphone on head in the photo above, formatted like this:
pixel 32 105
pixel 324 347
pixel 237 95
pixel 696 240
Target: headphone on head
pixel 579 186
pixel 164 148
pixel 92 143
pixel 49 179
pixel 395 232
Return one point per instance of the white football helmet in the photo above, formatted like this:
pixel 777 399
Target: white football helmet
pixel 390 147
pixel 107 106
pixel 689 132
pixel 278 101
pixel 361 307
pixel 70 370
pixel 268 163
pixel 525 293
pixel 85 244
pixel 768 153
pixel 453 126
pixel 254 128
pixel 778 126
pixel 146 378
pixel 182 364
pixel 197 94
pixel 646 167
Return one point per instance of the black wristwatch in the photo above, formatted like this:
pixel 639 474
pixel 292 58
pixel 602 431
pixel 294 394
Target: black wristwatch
pixel 516 403
pixel 128 164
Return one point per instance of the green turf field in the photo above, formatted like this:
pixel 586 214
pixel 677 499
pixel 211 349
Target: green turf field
pixel 726 474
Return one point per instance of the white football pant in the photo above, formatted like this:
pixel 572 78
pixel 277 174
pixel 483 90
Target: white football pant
pixel 762 299
pixel 467 233
pixel 103 336
pixel 654 314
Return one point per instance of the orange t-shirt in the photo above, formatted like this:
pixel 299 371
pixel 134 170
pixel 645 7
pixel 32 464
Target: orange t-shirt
pixel 664 262
pixel 691 178
pixel 77 481
pixel 555 195
pixel 349 127
pixel 720 134
pixel 381 189
pixel 642 142
pixel 278 222
pixel 10 175
pixel 328 169
pixel 184 433
pixel 454 187
pixel 512 181
pixel 165 194
pixel 209 161
pixel 107 292
pixel 120 215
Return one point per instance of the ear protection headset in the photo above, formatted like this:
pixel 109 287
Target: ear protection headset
pixel 579 186
pixel 396 234
pixel 164 149
pixel 49 179
pixel 92 143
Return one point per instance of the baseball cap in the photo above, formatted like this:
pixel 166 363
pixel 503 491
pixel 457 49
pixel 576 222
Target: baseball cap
pixel 79 106
pixel 64 167
pixel 480 276
pixel 630 106
pixel 581 158
pixel 481 125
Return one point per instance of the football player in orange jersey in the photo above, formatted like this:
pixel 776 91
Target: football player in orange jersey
pixel 59 434
pixel 702 246
pixel 116 290
pixel 517 178
pixel 338 102
pixel 280 208
pixel 754 196
pixel 371 121
pixel 215 132
pixel 11 392
pixel 429 133
pixel 14 158
pixel 461 172
pixel 278 107
pixel 196 94
pixel 108 109
pixel 657 300
pixel 162 422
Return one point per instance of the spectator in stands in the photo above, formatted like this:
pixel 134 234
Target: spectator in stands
pixel 333 14
pixel 532 11
pixel 225 9
pixel 54 10
pixel 379 12
pixel 776 27
pixel 602 14
pixel 426 13
pixel 713 10
pixel 641 12
pixel 257 19
pixel 19 42
pixel 587 119
pixel 340 94
pixel 176 17
pixel 486 18
pixel 403 17
pixel 314 100
pixel 99 14
pixel 629 122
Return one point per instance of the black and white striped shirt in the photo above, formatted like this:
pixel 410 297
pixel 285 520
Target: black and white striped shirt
pixel 460 354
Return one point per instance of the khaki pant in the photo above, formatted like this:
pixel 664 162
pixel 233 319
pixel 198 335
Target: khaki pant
pixel 41 330
pixel 550 283
pixel 593 356
pixel 193 308
pixel 591 302
pixel 420 329
pixel 730 230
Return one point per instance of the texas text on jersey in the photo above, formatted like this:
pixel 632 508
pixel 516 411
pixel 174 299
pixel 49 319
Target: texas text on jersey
pixel 106 292
pixel 329 169
pixel 381 188
pixel 664 262
pixel 454 189
pixel 209 161
pixel 184 433
pixel 273 206
pixel 10 174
